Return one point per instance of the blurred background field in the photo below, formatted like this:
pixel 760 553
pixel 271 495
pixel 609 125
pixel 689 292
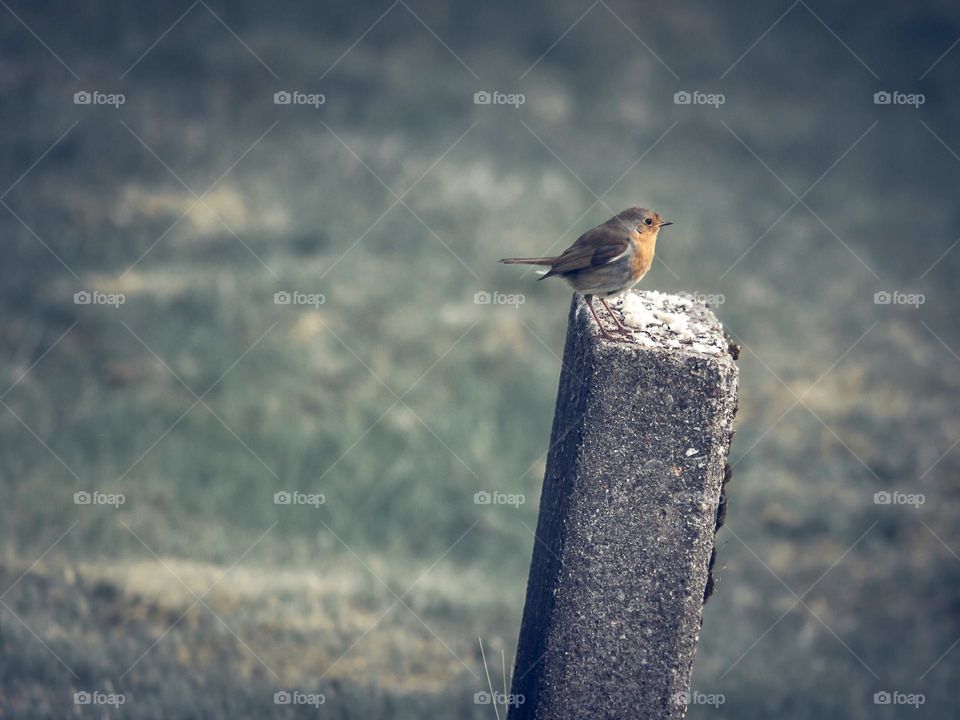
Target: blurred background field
pixel 399 397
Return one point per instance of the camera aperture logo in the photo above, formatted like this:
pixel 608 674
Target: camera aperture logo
pixel 899 498
pixel 482 697
pixel 696 97
pixel 495 97
pixel 295 497
pixel 499 498
pixel 483 297
pixel 895 97
pixel 296 97
pixel 295 297
pixel 296 697
pixel 95 697
pixel 115 500
pixel 95 297
pixel 884 297
pixel 95 97
pixel 895 697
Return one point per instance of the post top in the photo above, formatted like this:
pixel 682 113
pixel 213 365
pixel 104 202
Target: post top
pixel 662 321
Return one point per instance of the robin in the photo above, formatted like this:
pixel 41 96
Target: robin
pixel 607 260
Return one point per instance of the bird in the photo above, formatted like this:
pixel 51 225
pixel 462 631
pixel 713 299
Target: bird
pixel 607 260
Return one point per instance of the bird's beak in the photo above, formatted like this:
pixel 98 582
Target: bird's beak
pixel 665 223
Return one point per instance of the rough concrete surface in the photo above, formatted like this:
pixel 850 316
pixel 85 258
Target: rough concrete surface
pixel 627 515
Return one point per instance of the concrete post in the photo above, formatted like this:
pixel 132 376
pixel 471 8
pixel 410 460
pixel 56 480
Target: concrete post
pixel 628 514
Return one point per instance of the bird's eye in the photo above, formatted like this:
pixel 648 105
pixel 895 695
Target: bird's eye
pixel 648 221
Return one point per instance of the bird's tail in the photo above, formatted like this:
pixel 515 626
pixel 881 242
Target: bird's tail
pixel 529 261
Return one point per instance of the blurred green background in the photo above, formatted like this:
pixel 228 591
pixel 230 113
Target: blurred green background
pixel 398 397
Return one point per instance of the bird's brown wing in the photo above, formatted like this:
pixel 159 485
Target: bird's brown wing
pixel 592 249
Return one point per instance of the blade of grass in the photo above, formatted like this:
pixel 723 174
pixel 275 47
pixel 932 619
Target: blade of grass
pixel 493 698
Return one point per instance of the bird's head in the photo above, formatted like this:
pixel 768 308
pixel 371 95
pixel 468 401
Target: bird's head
pixel 642 224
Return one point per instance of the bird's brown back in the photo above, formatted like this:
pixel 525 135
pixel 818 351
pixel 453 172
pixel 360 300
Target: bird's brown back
pixel 594 248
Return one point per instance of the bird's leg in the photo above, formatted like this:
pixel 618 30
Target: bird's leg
pixel 620 326
pixel 604 333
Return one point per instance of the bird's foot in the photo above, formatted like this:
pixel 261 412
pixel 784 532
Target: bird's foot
pixel 616 334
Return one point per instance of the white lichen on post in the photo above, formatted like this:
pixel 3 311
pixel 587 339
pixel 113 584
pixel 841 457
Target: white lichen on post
pixel 628 514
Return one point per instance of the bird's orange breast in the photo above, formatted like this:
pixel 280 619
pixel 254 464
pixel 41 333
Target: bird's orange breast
pixel 642 259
